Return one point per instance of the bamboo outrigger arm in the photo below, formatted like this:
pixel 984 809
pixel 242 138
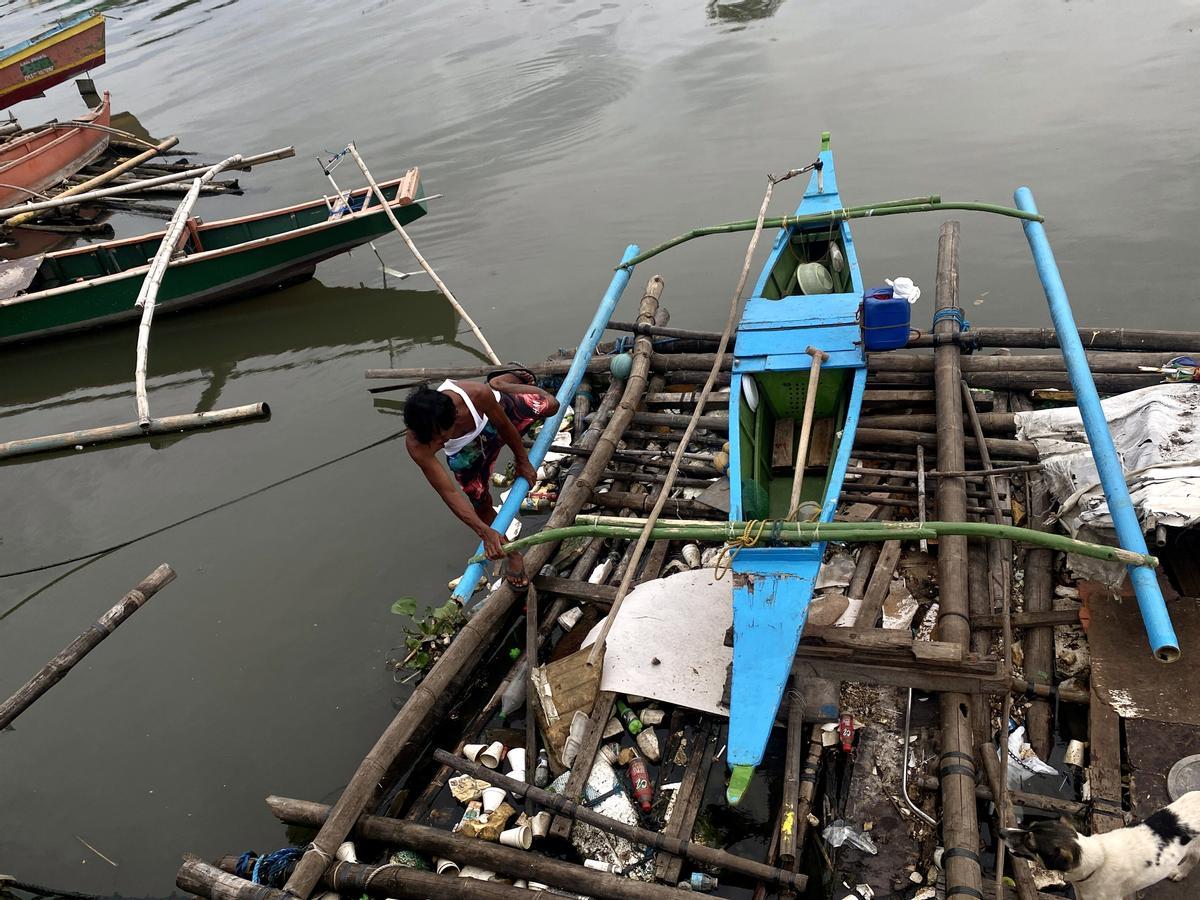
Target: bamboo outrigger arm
pixel 932 203
pixel 813 532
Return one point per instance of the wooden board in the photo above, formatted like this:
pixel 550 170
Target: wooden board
pixel 783 454
pixel 820 447
pixel 1127 676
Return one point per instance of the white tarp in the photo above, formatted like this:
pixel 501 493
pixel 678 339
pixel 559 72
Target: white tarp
pixel 668 643
pixel 1155 433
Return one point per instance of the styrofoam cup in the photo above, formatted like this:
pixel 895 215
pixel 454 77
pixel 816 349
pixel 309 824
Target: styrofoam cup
pixel 540 824
pixel 492 798
pixel 520 837
pixel 516 758
pixel 517 774
pixel 472 751
pixel 447 867
pixel 492 755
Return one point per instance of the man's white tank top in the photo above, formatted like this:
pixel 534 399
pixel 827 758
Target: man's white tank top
pixel 453 445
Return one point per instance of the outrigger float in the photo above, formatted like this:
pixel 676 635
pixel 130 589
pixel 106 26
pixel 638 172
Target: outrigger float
pixel 822 441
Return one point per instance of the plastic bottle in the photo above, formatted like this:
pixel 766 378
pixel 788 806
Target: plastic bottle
pixel 629 718
pixel 541 775
pixel 513 697
pixel 639 777
pixel 699 882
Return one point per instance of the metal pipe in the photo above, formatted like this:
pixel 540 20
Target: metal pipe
pixel 1129 532
pixel 566 393
pixel 904 770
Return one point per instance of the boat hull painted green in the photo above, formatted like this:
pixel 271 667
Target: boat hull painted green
pixel 258 265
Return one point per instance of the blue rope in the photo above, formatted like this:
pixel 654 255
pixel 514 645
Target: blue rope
pixel 271 869
pixel 953 313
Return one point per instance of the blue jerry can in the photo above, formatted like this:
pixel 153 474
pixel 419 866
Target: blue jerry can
pixel 885 320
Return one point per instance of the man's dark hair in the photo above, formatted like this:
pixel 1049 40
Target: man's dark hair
pixel 427 411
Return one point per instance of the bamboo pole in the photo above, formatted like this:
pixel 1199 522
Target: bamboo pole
pixel 532 643
pixel 1001 552
pixel 1039 642
pixel 148 293
pixel 814 532
pixel 32 211
pixel 789 848
pixel 441 285
pixel 597 652
pixel 993 423
pixel 810 402
pixel 494 857
pixel 107 434
pixel 1026 889
pixel 57 668
pixel 932 203
pixel 73 199
pixel 653 839
pixel 891 437
pixel 960 827
pixel 1176 342
pixel 1115 362
pixel 462 655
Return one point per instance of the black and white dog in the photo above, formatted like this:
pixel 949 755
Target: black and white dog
pixel 1113 866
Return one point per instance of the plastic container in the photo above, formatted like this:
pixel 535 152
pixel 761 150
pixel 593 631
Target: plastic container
pixel 885 320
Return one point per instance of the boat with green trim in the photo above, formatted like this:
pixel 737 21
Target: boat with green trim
pixel 807 304
pixel 96 285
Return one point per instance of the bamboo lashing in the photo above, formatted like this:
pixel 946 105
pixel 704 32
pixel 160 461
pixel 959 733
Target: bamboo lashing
pixel 597 651
pixel 441 285
pixel 810 403
pixel 148 293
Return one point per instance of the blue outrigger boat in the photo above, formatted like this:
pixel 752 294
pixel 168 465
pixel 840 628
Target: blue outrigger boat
pixel 781 329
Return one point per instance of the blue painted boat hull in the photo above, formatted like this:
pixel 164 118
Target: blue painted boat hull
pixel 773 585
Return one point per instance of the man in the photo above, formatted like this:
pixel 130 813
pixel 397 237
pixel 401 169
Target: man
pixel 470 423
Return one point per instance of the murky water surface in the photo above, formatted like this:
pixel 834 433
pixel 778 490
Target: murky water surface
pixel 558 132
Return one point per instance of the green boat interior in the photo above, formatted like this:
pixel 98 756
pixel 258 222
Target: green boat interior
pixel 823 247
pixel 769 436
pixel 114 257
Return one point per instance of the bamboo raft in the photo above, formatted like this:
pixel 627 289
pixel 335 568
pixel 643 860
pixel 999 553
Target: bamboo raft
pixel 937 443
pixel 947 613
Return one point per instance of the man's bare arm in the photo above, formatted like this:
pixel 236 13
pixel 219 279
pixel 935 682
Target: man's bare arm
pixel 440 480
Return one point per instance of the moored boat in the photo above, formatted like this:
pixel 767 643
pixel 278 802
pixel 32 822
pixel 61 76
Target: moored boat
pixel 95 285
pixel 32 66
pixel 807 303
pixel 43 158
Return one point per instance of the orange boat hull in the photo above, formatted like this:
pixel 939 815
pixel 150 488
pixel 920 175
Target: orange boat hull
pixel 51 58
pixel 32 163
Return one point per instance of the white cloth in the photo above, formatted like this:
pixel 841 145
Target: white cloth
pixel 453 445
pixel 904 289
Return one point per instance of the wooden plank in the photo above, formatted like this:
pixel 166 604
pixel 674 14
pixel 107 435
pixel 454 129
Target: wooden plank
pixel 689 800
pixel 1027 619
pixel 820 449
pixel 599 594
pixel 783 456
pixel 877 587
pixel 602 711
pixel 1104 763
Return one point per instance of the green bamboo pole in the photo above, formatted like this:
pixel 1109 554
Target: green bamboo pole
pixel 932 203
pixel 811 532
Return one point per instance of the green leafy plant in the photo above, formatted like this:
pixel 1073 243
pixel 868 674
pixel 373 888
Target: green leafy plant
pixel 427 638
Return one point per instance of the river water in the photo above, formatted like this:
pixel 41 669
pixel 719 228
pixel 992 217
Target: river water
pixel 558 132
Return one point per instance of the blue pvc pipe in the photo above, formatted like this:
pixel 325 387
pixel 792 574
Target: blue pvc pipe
pixel 566 394
pixel 1129 532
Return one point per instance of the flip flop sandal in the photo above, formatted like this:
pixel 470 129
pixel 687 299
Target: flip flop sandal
pixel 520 371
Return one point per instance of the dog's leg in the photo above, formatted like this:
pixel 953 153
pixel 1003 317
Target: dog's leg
pixel 1186 864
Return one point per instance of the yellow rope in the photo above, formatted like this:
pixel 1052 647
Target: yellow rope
pixel 748 538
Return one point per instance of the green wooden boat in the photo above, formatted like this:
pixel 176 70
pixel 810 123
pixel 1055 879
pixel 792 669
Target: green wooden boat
pixel 97 285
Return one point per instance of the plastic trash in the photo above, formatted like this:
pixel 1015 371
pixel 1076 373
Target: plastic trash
pixel 841 832
pixel 903 288
pixel 1023 763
